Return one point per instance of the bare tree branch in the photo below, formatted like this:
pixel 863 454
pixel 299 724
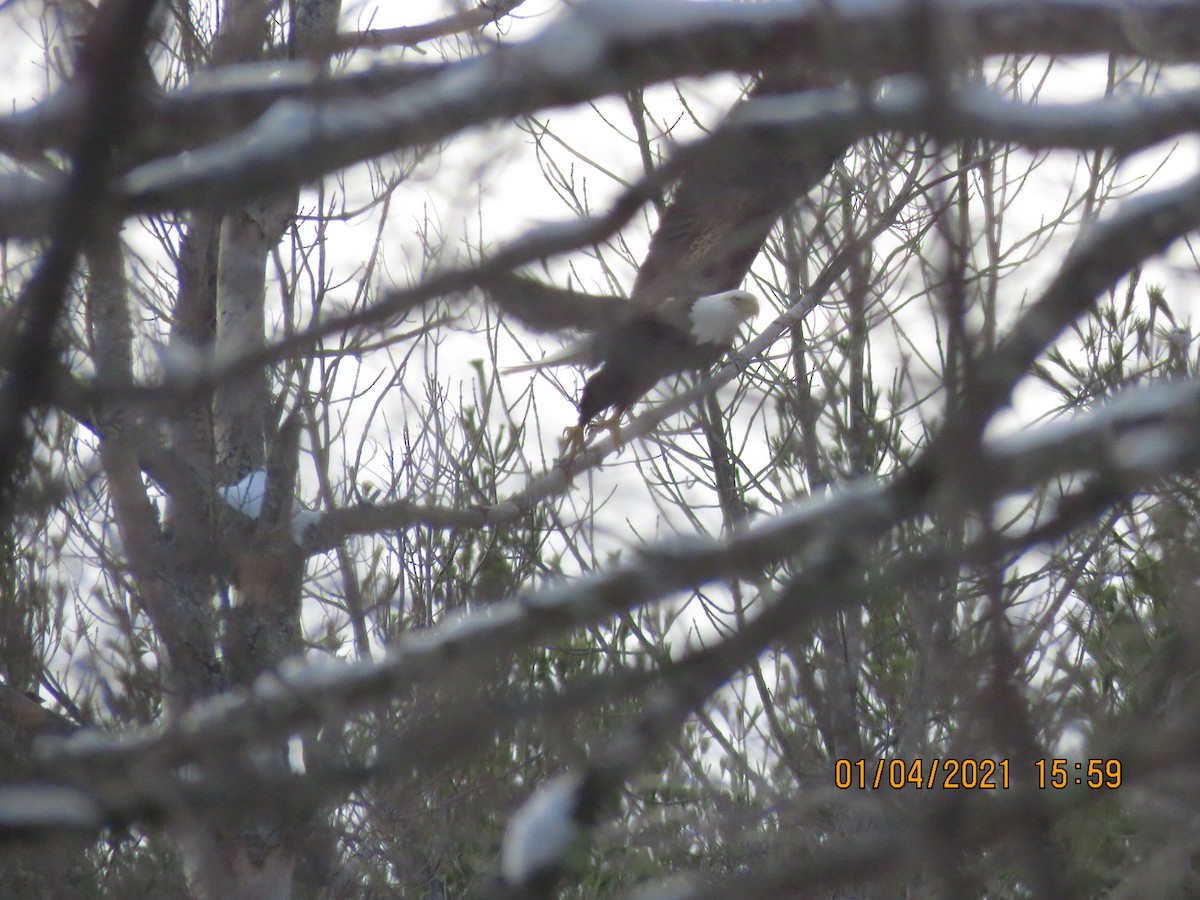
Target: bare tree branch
pixel 1131 443
pixel 296 142
pixel 471 19
pixel 114 57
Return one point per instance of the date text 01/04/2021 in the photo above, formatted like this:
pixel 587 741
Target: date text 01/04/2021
pixel 972 774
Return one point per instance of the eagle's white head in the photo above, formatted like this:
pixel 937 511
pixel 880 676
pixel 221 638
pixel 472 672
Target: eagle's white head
pixel 717 317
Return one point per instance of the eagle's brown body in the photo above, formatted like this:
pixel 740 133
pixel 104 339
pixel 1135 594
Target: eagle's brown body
pixel 721 213
pixel 641 352
pixel 646 347
pixel 637 356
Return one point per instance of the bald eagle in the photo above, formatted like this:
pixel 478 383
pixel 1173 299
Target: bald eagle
pixel 731 193
pixel 648 346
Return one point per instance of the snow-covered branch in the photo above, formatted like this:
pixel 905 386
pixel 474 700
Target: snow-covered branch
pixel 1130 443
pixel 609 46
pixel 315 126
pixel 1104 253
pixel 907 104
pixel 1144 226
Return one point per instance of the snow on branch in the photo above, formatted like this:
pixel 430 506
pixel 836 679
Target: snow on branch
pixel 1143 226
pixel 908 105
pixel 541 242
pixel 1124 125
pixel 823 117
pixel 211 105
pixel 277 125
pixel 1129 443
pixel 1104 253
pixel 603 47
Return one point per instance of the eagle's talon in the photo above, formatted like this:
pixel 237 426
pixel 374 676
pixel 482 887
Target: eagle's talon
pixel 613 426
pixel 573 441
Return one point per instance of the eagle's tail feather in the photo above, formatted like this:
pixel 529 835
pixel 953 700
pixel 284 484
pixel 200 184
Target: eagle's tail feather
pixel 581 353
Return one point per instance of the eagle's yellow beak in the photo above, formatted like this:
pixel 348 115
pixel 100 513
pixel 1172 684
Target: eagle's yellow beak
pixel 746 304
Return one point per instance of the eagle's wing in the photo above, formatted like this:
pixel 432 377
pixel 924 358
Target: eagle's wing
pixel 543 308
pixel 628 331
pixel 726 204
pixel 587 351
pixel 723 209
